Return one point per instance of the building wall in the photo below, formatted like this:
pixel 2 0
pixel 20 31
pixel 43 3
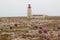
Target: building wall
pixel 38 16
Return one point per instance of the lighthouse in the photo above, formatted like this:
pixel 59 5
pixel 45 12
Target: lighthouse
pixel 29 13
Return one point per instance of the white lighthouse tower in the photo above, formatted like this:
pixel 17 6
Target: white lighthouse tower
pixel 29 14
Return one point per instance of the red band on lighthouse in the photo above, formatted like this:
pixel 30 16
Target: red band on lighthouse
pixel 29 5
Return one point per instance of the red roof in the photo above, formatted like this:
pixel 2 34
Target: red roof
pixel 29 5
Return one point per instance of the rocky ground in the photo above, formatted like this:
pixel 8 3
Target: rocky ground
pixel 31 29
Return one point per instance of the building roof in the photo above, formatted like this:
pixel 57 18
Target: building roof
pixel 29 5
pixel 38 15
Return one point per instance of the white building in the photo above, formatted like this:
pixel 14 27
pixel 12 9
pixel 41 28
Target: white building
pixel 29 14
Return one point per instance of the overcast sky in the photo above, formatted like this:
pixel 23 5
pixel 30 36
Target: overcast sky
pixel 19 7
